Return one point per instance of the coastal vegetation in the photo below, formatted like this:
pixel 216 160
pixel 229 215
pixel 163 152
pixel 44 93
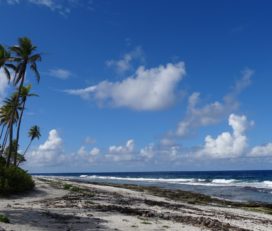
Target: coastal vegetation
pixel 4 218
pixel 16 62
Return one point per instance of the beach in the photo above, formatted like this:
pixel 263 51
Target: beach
pixel 58 204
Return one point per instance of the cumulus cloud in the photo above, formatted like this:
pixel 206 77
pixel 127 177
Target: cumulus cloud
pixel 125 63
pixel 261 151
pixel 147 152
pixel 49 153
pixel 82 151
pixel 211 113
pixel 228 145
pixel 147 89
pixel 121 153
pixel 95 151
pixel 122 149
pixel 60 73
pixel 82 156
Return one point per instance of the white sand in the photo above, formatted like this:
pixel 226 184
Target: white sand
pixel 112 208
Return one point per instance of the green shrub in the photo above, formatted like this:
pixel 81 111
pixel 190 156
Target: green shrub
pixel 2 161
pixel 76 189
pixel 4 218
pixel 67 186
pixel 14 180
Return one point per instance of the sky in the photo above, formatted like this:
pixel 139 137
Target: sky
pixel 146 85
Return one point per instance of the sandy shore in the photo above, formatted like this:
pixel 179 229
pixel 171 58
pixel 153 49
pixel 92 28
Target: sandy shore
pixel 59 205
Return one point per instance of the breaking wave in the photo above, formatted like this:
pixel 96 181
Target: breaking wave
pixel 186 181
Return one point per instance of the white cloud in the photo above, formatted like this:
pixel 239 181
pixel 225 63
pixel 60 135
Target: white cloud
pixel 125 63
pixel 128 148
pixel 3 85
pixel 63 7
pixel 82 151
pixel 261 151
pixel 51 4
pixel 147 89
pixel 212 113
pixel 228 145
pixel 148 152
pixel 12 2
pixel 89 140
pixel 82 156
pixel 174 153
pixel 95 151
pixel 167 141
pixel 121 153
pixel 49 153
pixel 60 73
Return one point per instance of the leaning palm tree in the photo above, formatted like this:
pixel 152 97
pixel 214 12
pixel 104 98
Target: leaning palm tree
pixel 25 93
pixel 23 57
pixel 33 133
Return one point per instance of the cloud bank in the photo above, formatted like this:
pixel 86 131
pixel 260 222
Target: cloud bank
pixel 211 113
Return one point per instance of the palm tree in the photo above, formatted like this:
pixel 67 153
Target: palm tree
pixel 9 114
pixel 20 158
pixel 33 133
pixel 4 134
pixel 25 93
pixel 4 58
pixel 23 57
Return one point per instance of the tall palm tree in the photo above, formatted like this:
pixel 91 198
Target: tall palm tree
pixel 22 56
pixel 4 59
pixel 33 133
pixel 9 114
pixel 25 93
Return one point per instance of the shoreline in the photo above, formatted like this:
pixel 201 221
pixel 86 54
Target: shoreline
pixel 243 187
pixel 58 204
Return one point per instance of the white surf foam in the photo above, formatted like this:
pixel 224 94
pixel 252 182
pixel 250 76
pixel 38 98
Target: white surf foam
pixel 224 181
pixel 188 181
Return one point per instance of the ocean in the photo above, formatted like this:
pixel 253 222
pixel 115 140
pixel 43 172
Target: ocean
pixel 231 185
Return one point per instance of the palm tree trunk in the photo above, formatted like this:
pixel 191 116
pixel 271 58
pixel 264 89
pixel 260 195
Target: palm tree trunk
pixel 18 133
pixel 28 147
pixel 1 147
pixel 5 139
pixel 10 143
pixel 22 72
pixel 2 130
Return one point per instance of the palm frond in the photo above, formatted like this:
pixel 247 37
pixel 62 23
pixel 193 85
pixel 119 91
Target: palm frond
pixel 35 58
pixel 11 66
pixel 7 73
pixel 33 67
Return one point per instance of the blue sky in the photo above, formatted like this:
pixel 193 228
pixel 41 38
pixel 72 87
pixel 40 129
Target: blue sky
pixel 146 85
